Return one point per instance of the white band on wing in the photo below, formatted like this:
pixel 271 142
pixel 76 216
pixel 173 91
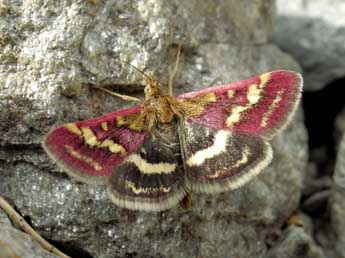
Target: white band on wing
pixel 219 145
pixel 150 168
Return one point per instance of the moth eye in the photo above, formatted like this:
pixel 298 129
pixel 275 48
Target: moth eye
pixel 147 90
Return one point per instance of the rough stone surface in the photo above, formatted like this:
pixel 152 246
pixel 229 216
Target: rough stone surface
pixel 15 243
pixel 337 201
pixel 314 33
pixel 340 126
pixel 295 243
pixel 53 49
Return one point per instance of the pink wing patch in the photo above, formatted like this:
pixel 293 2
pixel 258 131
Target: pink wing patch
pixel 260 105
pixel 90 150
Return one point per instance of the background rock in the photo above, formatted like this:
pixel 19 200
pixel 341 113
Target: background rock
pixel 53 50
pixel 314 33
pixel 15 243
pixel 337 207
pixel 295 243
pixel 340 126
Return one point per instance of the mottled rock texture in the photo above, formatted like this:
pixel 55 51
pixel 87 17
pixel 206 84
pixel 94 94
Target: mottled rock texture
pixel 51 51
pixel 314 33
pixel 340 125
pixel 295 242
pixel 15 243
pixel 337 207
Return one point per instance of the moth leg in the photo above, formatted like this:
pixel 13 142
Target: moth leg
pixel 186 202
pixel 174 71
pixel 295 219
pixel 121 96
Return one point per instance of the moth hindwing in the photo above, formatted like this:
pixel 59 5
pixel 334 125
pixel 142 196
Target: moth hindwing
pixel 152 156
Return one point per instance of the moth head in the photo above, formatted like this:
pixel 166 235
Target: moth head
pixel 152 88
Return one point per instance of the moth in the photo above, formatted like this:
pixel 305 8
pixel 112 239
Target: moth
pixel 208 141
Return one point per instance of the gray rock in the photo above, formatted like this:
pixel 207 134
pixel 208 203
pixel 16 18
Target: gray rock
pixel 316 203
pixel 339 126
pixel 307 223
pixel 337 205
pixel 70 44
pixel 15 243
pixel 314 33
pixel 67 45
pixel 313 183
pixel 294 243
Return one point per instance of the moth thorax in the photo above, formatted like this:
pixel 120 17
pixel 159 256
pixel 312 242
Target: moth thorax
pixel 161 109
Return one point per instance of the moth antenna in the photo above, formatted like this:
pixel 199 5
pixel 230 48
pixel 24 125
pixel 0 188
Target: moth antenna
pixel 147 77
pixel 121 96
pixel 166 63
pixel 173 73
pixel 175 70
